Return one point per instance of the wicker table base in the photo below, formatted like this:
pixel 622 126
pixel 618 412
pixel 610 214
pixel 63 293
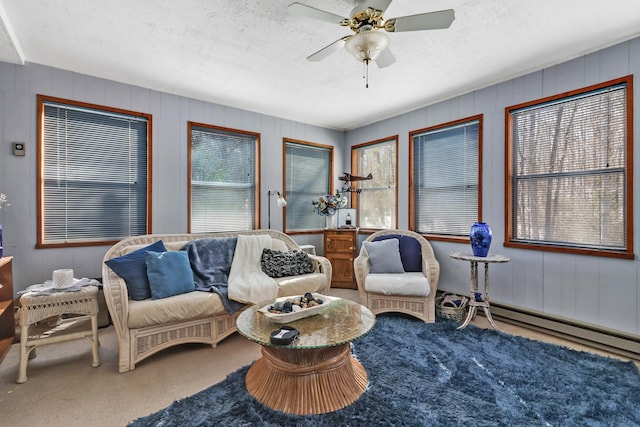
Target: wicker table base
pixel 307 381
pixel 34 309
pixel 479 299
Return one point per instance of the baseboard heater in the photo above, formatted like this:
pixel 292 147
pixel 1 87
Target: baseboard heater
pixel 612 341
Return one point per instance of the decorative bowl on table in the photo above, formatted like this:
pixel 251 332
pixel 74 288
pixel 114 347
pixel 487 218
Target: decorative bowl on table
pixel 279 317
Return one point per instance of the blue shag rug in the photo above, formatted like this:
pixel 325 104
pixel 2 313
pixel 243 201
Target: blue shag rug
pixel 434 375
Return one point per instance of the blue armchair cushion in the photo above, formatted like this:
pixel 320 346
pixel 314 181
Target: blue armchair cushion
pixel 169 273
pixel 133 269
pixel 384 256
pixel 410 251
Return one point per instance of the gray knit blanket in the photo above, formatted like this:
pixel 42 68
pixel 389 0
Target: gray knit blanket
pixel 210 261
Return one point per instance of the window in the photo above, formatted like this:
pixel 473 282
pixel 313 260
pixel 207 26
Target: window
pixel 445 189
pixel 94 180
pixel 377 201
pixel 569 162
pixel 222 190
pixel 309 169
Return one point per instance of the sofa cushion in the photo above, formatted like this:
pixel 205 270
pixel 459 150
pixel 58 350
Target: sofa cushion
pixel 169 273
pixel 283 264
pixel 299 285
pixel 192 305
pixel 407 284
pixel 384 256
pixel 132 267
pixel 410 251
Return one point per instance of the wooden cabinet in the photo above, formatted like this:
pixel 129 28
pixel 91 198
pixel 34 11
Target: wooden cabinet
pixel 7 319
pixel 340 247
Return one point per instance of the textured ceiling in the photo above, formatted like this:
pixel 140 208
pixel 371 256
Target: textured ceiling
pixel 251 54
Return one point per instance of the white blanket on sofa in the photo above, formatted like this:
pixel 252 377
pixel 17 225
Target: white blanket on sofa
pixel 247 282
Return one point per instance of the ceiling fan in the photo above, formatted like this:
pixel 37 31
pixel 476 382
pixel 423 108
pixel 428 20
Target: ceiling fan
pixel 369 41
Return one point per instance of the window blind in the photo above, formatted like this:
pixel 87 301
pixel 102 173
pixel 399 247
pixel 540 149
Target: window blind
pixel 446 179
pixel 223 180
pixel 308 169
pixel 94 174
pixel 569 162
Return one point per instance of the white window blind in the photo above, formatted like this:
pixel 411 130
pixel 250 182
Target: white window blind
pixel 446 174
pixel 223 180
pixel 377 200
pixel 308 170
pixel 94 174
pixel 570 168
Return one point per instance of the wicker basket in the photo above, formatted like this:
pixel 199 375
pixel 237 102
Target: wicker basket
pixel 457 314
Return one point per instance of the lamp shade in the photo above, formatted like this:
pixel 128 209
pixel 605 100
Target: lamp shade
pixel 366 45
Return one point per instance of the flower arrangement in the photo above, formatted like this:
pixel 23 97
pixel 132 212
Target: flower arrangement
pixel 328 205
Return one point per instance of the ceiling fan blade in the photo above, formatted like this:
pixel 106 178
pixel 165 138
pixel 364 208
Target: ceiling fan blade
pixel 328 50
pixel 311 12
pixel 423 21
pixel 385 58
pixel 380 5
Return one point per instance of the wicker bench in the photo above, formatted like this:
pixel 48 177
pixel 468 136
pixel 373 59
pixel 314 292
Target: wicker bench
pixel 203 316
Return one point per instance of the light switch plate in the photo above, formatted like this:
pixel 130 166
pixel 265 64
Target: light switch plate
pixel 18 148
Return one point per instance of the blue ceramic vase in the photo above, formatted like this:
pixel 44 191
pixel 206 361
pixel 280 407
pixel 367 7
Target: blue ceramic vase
pixel 480 236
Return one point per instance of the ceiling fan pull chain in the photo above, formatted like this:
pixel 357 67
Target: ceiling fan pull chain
pixel 366 73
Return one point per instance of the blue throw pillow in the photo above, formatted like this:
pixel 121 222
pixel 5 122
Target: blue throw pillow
pixel 384 256
pixel 410 251
pixel 133 269
pixel 169 273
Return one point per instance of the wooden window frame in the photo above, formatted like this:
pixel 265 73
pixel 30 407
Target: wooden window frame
pixel 284 180
pixel 257 194
pixel 40 158
pixel 355 171
pixel 509 174
pixel 413 208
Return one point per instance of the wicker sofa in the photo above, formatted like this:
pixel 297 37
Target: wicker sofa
pixel 148 326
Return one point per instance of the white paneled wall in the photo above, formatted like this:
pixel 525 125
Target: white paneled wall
pixel 601 291
pixel 19 86
pixel 597 290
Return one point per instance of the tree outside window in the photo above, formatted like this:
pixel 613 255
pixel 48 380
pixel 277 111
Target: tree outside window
pixel 377 201
pixel 569 158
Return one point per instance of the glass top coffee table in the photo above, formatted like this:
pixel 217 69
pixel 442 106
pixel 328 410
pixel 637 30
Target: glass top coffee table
pixel 315 374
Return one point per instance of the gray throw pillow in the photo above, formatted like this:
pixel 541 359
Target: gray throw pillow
pixel 384 256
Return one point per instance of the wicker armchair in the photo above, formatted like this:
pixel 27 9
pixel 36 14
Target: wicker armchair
pixel 422 307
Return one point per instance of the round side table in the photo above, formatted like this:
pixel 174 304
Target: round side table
pixel 479 299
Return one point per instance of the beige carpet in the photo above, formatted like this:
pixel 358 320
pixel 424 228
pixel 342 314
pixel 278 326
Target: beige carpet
pixel 64 390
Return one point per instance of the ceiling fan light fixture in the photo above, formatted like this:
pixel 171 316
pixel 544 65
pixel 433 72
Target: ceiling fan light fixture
pixel 367 44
